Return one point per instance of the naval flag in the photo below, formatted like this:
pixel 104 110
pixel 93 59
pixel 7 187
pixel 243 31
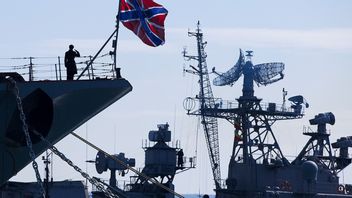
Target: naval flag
pixel 145 18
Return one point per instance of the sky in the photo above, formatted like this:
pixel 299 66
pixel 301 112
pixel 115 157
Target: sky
pixel 313 39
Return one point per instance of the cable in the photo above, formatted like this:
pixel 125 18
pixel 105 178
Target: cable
pixel 127 166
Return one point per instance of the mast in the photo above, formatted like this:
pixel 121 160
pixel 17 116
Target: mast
pixel 114 42
pixel 206 100
pixel 254 142
pixel 114 45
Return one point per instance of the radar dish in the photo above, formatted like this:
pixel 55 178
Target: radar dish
pixel 100 162
pixel 343 142
pixel 231 75
pixel 268 73
pixel 298 100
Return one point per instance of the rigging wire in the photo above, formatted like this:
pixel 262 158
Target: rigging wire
pixel 174 138
pixel 127 166
pixel 197 136
pixel 86 153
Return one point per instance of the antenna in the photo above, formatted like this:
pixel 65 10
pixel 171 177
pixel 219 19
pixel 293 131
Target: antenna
pixel 284 94
pixel 297 103
pixel 263 74
pixel 184 70
pixel 174 138
pixel 184 51
pixel 268 73
pixel 47 160
pixel 86 152
pixel 115 135
pixel 249 55
pixel 232 75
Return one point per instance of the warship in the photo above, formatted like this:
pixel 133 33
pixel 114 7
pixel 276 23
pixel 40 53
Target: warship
pixel 162 163
pixel 37 113
pixel 258 167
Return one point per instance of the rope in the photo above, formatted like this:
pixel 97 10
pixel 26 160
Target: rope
pixel 127 166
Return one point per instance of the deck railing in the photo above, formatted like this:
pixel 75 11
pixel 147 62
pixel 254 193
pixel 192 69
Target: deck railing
pixel 53 68
pixel 192 103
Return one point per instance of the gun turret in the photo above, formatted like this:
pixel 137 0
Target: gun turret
pixel 343 144
pixel 321 120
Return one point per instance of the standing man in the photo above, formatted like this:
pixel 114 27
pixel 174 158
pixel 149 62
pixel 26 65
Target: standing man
pixel 70 64
pixel 180 158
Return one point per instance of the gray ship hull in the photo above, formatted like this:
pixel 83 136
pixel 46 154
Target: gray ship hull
pixel 52 108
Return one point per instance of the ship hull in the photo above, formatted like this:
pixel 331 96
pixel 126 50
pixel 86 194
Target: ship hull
pixel 52 108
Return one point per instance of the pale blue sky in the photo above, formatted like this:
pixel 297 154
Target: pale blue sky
pixel 313 39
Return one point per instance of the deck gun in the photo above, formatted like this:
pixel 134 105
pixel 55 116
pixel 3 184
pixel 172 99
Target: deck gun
pixel 343 144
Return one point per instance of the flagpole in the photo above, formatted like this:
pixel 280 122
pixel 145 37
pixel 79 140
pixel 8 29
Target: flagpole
pixel 117 73
pixel 116 33
pixel 96 55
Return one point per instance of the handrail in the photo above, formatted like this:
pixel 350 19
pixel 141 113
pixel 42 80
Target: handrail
pixel 266 106
pixel 50 68
pixel 96 55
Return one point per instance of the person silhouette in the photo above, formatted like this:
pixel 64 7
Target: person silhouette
pixel 70 64
pixel 180 158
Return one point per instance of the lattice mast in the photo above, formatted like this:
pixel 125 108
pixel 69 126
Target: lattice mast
pixel 254 139
pixel 206 100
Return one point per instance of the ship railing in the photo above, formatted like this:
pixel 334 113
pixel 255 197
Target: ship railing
pixel 271 107
pixel 309 130
pixel 123 185
pixel 277 107
pixel 94 188
pixel 53 68
pixel 120 184
pixel 173 144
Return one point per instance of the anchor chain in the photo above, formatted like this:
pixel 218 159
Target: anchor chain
pixel 26 133
pixel 91 180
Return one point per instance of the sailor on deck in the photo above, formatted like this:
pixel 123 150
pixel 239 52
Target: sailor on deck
pixel 70 64
pixel 180 158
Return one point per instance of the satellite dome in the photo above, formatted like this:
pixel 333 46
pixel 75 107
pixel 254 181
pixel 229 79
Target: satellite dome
pixel 310 171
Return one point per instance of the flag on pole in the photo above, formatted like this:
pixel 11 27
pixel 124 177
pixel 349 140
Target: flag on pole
pixel 145 18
